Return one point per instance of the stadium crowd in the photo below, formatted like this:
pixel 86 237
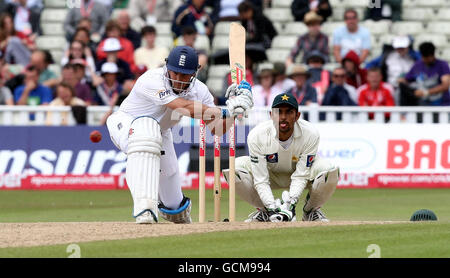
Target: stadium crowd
pixel 105 55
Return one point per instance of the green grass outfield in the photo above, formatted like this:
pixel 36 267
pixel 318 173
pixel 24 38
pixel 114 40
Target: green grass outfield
pixel 430 239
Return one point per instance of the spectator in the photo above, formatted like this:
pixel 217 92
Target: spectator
pixel 356 76
pixel 189 37
pixel 314 40
pixel 78 50
pixel 82 35
pixel 340 93
pixel 300 8
pixel 225 10
pixel 32 93
pixel 26 17
pixel 112 47
pixel 193 14
pixel 428 80
pixel 123 20
pixel 375 92
pixel 388 9
pixel 96 12
pixel 65 96
pixel 126 52
pixel 320 78
pixel 69 75
pixel 282 82
pixel 109 91
pixel 148 12
pixel 41 59
pixel 150 55
pixel 14 45
pixel 6 97
pixel 259 28
pixel 395 61
pixel 303 92
pixel 351 37
pixel 262 92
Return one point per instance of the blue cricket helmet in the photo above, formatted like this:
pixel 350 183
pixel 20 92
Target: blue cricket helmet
pixel 183 59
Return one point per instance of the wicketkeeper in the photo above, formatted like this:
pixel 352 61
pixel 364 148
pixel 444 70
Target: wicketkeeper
pixel 283 155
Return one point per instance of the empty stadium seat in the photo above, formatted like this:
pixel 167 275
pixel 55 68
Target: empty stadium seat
pixel 57 55
pixel 54 15
pixel 338 13
pixel 56 68
pixel 438 27
pixel 443 14
pixel 418 14
pixel 444 54
pixel 220 42
pixel 218 71
pixel 407 28
pixel 202 43
pixel 431 3
pixel 438 40
pixel 215 86
pixel 354 3
pixel 16 68
pixel 331 66
pixel 222 28
pixel 163 28
pixel 329 27
pixel 295 28
pixel 50 42
pixel 279 14
pixel 385 39
pixel 281 3
pixel 54 29
pixel 377 27
pixel 284 42
pixel 166 41
pixel 277 55
pixel 55 4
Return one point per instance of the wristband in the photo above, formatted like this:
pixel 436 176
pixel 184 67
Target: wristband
pixel 426 93
pixel 225 113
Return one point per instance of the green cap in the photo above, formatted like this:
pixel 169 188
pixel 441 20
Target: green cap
pixel 285 98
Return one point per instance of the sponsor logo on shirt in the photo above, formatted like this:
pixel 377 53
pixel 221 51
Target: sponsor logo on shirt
pixel 254 159
pixel 310 160
pixel 130 132
pixel 163 93
pixel 272 158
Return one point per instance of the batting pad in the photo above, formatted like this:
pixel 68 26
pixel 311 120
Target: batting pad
pixel 143 164
pixel 322 189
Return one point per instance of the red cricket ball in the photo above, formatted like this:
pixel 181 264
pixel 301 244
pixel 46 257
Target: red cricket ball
pixel 95 136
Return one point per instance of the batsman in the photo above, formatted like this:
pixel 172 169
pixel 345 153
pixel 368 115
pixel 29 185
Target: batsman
pixel 282 154
pixel 141 128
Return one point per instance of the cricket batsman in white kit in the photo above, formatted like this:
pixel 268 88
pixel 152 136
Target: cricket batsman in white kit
pixel 141 128
pixel 283 155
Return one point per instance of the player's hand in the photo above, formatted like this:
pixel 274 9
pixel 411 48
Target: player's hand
pixel 235 90
pixel 279 212
pixel 239 105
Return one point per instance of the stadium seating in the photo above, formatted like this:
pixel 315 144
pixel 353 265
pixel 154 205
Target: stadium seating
pixel 279 14
pixel 277 55
pixel 165 41
pixel 407 28
pixel 295 28
pixel 163 28
pixel 418 14
pixel 215 86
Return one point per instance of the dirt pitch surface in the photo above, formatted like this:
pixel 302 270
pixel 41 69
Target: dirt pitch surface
pixel 52 233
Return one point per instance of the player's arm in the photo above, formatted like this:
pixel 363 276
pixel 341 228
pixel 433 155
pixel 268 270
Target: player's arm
pixel 260 172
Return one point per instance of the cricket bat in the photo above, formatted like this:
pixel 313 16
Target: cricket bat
pixel 237 68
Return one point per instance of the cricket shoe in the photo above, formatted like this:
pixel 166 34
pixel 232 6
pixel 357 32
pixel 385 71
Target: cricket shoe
pixel 315 215
pixel 146 217
pixel 260 215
